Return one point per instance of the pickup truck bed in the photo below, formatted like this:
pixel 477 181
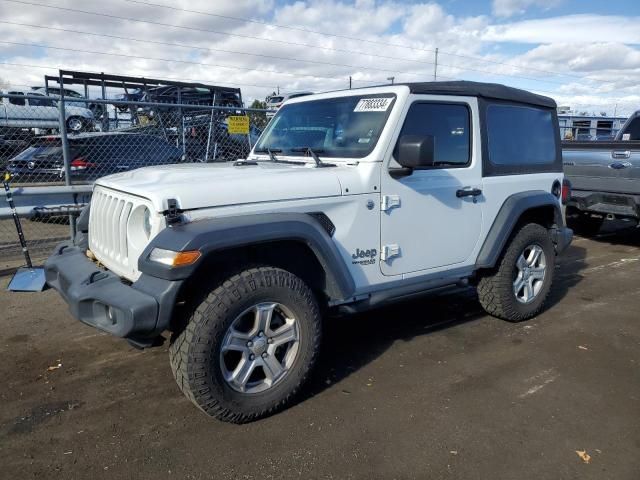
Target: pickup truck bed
pixel 605 177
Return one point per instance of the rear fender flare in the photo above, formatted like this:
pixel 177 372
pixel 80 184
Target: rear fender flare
pixel 508 216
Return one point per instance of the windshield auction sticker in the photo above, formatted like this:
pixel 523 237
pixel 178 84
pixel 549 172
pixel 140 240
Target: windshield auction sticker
pixel 373 105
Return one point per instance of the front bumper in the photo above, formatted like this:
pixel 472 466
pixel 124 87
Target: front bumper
pixel 139 311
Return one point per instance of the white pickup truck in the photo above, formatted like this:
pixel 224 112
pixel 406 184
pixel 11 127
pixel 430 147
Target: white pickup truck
pixel 29 109
pixel 350 200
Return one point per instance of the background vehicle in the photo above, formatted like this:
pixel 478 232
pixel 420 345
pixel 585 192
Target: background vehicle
pixel 605 178
pixel 274 102
pixel 97 109
pixel 41 113
pixel 56 92
pixel 219 96
pixel 350 200
pixel 9 146
pixel 93 155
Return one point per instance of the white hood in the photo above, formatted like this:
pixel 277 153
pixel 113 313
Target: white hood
pixel 199 185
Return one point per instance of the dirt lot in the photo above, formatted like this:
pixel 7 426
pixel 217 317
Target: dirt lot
pixel 431 389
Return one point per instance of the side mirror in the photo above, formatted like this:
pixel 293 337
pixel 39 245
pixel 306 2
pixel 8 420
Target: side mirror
pixel 415 151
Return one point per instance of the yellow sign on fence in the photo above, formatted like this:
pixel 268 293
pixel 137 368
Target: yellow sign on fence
pixel 238 125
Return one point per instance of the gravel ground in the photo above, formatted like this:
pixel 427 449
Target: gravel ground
pixel 429 389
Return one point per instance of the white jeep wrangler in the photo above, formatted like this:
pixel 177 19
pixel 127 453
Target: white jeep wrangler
pixel 349 200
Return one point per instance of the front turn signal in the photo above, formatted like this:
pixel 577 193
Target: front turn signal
pixel 174 259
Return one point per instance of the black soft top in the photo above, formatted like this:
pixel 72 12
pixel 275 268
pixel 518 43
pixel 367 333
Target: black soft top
pixel 478 89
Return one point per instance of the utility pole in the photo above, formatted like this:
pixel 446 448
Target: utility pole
pixel 391 79
pixel 278 87
pixel 349 82
pixel 435 67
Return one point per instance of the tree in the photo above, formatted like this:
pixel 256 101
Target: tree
pixel 259 119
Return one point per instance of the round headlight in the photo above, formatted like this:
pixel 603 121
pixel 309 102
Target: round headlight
pixel 146 222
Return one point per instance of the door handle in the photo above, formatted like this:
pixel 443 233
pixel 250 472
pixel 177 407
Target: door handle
pixel 468 192
pixel 621 154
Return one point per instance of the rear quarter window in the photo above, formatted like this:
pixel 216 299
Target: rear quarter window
pixel 520 135
pixel 521 139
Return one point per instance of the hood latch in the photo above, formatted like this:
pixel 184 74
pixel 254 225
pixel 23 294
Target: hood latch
pixel 172 214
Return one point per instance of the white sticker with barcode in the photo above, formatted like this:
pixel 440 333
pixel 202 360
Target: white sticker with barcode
pixel 373 105
pixel 626 136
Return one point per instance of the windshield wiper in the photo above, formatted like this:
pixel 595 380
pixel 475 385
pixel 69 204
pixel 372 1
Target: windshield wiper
pixel 270 152
pixel 313 154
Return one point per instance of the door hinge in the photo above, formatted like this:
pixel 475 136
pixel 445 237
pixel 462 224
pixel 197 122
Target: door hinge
pixel 389 201
pixel 389 251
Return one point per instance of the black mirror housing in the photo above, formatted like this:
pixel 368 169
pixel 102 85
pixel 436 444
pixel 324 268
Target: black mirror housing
pixel 416 151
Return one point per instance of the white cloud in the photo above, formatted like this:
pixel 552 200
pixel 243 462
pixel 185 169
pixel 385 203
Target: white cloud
pixel 508 8
pixel 569 28
pixel 579 46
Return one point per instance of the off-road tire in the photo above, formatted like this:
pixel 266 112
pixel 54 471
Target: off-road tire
pixel 582 223
pixel 195 352
pixel 495 288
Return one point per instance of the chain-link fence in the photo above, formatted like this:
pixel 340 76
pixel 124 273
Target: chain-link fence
pixel 55 148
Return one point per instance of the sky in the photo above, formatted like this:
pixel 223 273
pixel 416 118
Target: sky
pixel 585 54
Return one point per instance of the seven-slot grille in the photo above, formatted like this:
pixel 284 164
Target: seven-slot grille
pixel 108 225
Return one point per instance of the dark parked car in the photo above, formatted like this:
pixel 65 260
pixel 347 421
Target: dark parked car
pixel 10 146
pixel 92 155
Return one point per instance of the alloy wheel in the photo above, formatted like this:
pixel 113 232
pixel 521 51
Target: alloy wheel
pixel 531 268
pixel 259 348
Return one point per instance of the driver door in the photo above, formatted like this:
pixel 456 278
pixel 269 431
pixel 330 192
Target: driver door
pixel 432 217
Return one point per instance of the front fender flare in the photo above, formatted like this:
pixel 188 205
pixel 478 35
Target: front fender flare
pixel 214 235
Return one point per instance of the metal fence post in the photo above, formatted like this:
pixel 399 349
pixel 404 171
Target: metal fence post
pixel 66 154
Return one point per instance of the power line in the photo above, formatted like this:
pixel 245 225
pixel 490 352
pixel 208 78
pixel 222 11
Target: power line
pixel 47 67
pixel 140 57
pixel 23 2
pixel 347 37
pixel 618 100
pixel 196 47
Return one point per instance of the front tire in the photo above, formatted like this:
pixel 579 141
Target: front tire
pixel 249 346
pixel 75 124
pixel 518 287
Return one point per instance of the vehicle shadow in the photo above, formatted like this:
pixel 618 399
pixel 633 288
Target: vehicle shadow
pixel 617 232
pixel 351 343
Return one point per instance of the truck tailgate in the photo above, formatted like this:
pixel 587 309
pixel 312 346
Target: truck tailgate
pixel 612 167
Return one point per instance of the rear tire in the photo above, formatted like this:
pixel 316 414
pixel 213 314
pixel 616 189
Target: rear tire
pixel 518 287
pixel 230 360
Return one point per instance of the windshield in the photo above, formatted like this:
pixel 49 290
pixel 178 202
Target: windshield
pixel 38 152
pixel 347 127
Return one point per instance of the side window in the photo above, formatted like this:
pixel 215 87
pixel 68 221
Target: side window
pixel 449 124
pixel 520 136
pixel 633 130
pixel 17 101
pixel 41 102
